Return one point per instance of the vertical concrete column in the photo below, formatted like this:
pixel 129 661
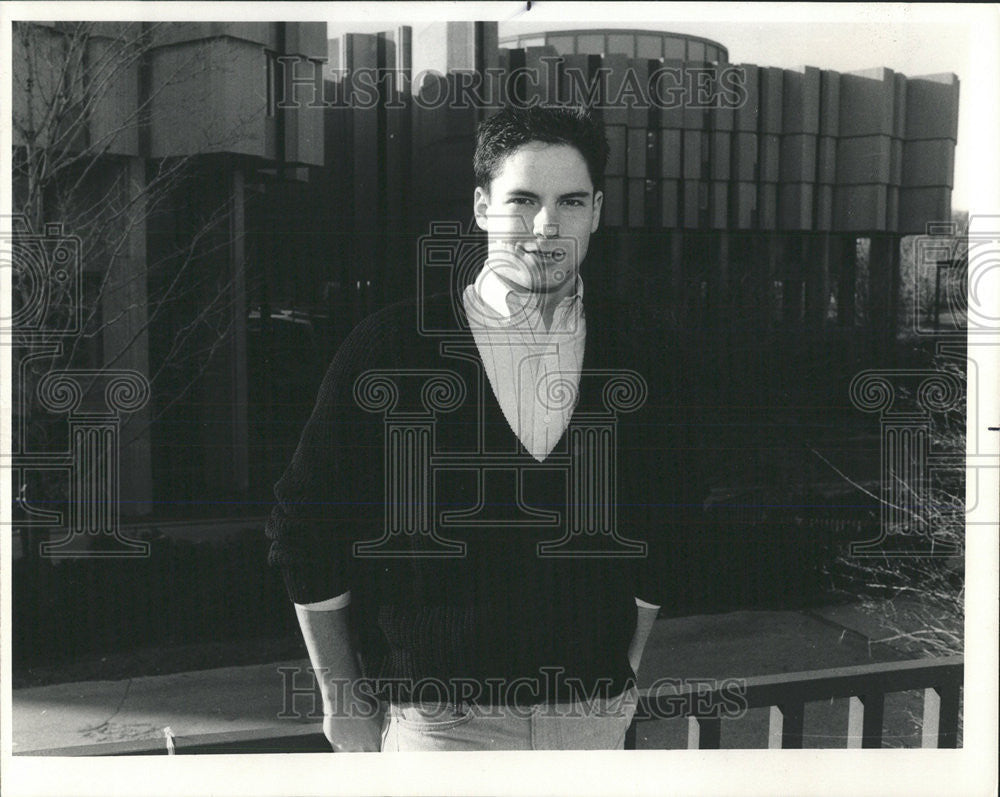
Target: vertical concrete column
pixel 819 248
pixel 472 45
pixel 769 269
pixel 396 53
pixel 238 338
pixel 719 293
pixel 125 337
pixel 846 277
pixel 883 293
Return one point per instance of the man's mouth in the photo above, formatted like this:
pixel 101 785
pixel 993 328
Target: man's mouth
pixel 547 256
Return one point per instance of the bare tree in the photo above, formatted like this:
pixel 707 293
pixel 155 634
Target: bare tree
pixel 917 599
pixel 107 140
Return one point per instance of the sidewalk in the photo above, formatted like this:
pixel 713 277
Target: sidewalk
pixel 734 645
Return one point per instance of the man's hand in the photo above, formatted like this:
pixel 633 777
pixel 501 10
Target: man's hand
pixel 352 734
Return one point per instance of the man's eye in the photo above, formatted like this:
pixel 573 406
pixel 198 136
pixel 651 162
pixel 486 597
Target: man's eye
pixel 574 203
pixel 518 200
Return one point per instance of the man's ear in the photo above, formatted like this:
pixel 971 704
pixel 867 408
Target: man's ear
pixel 480 202
pixel 598 204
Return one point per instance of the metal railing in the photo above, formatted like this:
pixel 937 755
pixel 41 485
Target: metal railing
pixel 787 694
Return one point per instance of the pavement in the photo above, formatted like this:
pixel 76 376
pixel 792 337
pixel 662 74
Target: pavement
pixel 279 696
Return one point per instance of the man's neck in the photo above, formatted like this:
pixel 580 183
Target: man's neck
pixel 550 301
pixel 547 302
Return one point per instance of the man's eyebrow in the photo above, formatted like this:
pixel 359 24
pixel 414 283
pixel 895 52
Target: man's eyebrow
pixel 533 195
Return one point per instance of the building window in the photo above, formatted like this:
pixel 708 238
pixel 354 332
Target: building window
pixel 622 45
pixel 563 44
pixel 673 48
pixel 590 44
pixel 648 47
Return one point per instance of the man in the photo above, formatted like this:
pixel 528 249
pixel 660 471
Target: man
pixel 498 621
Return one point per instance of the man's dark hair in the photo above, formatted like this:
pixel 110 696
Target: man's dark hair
pixel 511 128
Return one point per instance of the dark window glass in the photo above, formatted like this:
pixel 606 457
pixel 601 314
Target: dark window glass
pixel 622 44
pixel 648 47
pixel 673 48
pixel 590 44
pixel 563 44
pixel 696 51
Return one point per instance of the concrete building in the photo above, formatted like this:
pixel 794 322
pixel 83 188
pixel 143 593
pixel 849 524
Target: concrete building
pixel 630 43
pixel 293 205
pixel 159 146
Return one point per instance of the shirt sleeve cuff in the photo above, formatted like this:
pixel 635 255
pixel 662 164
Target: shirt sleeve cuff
pixel 330 604
pixel 645 605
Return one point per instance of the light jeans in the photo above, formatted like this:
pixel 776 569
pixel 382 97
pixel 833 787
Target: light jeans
pixel 598 724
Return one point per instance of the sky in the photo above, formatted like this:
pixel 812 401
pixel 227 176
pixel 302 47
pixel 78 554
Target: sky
pixel 915 39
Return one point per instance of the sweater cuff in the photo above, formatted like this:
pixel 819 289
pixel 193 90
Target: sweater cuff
pixel 338 602
pixel 313 581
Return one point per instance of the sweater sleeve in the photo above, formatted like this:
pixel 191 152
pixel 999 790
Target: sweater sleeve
pixel 321 500
pixel 662 483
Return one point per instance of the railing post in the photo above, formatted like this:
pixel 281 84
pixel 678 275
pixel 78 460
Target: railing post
pixel 940 723
pixel 785 727
pixel 704 733
pixel 864 721
pixel 787 694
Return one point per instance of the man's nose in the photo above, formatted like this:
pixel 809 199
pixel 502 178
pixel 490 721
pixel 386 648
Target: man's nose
pixel 546 225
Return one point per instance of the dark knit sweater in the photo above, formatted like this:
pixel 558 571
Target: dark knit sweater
pixel 502 621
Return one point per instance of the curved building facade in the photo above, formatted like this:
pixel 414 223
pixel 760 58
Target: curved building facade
pixel 633 43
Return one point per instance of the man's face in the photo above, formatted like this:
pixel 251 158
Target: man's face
pixel 539 212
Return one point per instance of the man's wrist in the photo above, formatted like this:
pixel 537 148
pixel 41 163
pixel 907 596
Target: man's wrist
pixel 348 698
